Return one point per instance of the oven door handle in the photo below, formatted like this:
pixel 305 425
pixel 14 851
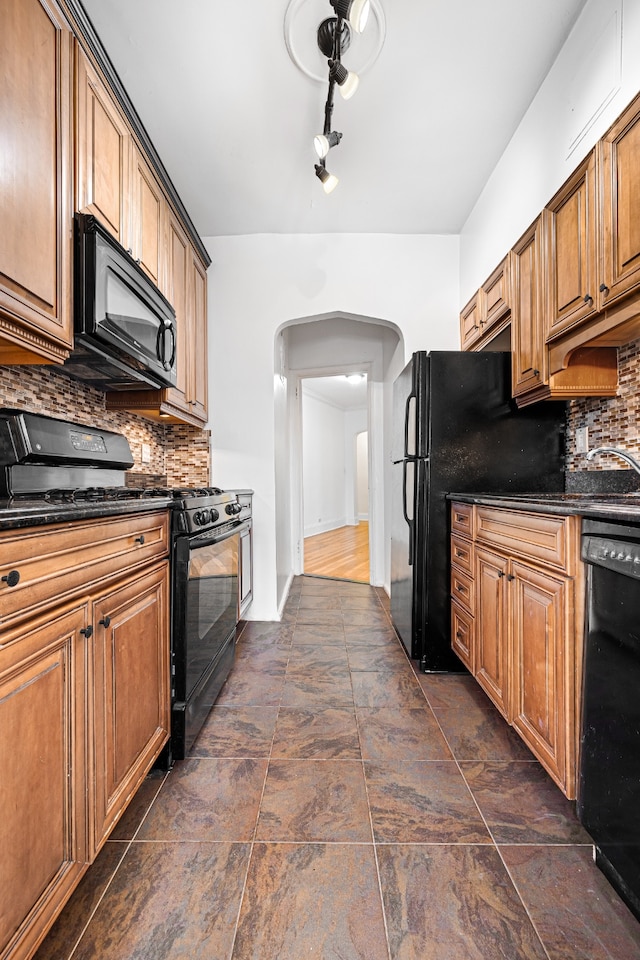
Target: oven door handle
pixel 206 539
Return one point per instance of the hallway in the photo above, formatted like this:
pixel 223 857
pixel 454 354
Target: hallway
pixel 337 806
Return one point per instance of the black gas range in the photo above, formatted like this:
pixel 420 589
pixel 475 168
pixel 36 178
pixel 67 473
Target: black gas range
pixel 53 470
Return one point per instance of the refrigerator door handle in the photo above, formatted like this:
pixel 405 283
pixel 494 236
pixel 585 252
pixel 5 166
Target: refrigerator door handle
pixel 405 464
pixel 408 421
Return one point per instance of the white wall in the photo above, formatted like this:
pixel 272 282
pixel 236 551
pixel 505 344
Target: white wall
pixel 362 475
pixel 323 465
pixel 259 283
pixel 595 76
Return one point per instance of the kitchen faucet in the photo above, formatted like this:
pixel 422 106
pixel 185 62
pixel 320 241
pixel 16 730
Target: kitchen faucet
pixel 619 453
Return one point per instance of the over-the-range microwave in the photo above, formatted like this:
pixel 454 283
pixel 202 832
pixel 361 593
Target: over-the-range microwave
pixel 124 328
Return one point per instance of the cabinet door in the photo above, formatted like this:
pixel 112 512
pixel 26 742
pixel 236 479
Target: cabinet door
pixel 198 333
pixel 470 323
pixel 43 673
pixel 539 699
pixel 527 334
pixel 35 183
pixel 177 281
pixel 102 153
pixel 570 236
pixel 148 212
pixel 620 198
pixel 132 695
pixel 492 652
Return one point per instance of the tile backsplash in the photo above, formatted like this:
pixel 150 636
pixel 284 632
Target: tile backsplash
pixel 614 421
pixel 179 454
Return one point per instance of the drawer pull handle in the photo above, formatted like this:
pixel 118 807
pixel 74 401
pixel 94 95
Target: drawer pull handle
pixel 106 621
pixel 87 631
pixel 460 588
pixel 461 518
pixel 459 636
pixel 510 577
pixel 501 573
pixel 12 579
pixel 460 553
pixel 140 539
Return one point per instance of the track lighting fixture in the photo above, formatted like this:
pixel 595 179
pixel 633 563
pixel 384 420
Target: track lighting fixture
pixel 329 180
pixel 334 37
pixel 323 143
pixel 355 11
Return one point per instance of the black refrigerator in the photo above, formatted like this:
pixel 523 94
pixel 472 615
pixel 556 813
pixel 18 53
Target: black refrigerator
pixel 456 429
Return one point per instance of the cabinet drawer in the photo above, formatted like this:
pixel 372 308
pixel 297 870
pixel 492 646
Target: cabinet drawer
pixel 539 537
pixel 462 635
pixel 462 589
pixel 461 554
pixel 55 563
pixel 462 519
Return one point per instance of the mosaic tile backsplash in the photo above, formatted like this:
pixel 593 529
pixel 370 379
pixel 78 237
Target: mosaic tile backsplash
pixel 180 454
pixel 613 422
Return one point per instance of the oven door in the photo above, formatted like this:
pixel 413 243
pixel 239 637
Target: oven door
pixel 205 616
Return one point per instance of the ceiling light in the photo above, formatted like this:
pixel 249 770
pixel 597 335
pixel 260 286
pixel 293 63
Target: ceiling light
pixel 355 11
pixel 323 143
pixel 329 180
pixel 334 37
pixel 355 378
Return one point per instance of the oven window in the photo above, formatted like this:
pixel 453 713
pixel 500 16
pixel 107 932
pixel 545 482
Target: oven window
pixel 212 604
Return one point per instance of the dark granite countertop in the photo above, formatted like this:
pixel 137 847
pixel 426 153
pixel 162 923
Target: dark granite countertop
pixel 31 513
pixel 609 506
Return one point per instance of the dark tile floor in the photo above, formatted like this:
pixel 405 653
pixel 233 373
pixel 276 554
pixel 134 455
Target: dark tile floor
pixel 338 806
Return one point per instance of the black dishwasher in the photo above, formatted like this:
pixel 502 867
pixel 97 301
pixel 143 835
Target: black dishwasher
pixel 609 779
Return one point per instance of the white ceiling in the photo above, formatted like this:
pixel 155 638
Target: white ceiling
pixel 233 118
pixel 338 391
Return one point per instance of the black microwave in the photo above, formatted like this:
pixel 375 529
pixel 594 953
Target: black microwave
pixel 124 328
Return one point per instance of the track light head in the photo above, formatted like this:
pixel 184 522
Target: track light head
pixel 324 141
pixel 329 180
pixel 355 11
pixel 347 80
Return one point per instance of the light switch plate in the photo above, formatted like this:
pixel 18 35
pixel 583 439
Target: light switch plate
pixel 145 455
pixel 582 439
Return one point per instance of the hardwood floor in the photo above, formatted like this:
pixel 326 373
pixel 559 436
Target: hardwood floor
pixel 341 553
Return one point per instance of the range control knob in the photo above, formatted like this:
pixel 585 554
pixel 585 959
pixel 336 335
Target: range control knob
pixel 214 515
pixel 201 517
pixel 233 509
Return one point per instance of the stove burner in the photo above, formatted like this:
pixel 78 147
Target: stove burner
pixel 186 493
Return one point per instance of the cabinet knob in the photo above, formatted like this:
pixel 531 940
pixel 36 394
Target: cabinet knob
pixel 12 579
pixel 87 631
pixel 459 635
pixel 140 539
pixel 129 250
pixel 106 621
pixel 588 298
pixel 501 573
pixel 604 288
pixel 536 373
pixel 510 576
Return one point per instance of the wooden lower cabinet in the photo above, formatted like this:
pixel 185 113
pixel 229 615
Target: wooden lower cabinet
pixel 542 687
pixel 43 740
pixel 84 713
pixel 492 647
pixel 524 628
pixel 131 682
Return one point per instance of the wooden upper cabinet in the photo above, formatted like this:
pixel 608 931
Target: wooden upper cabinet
pixel 488 311
pixel 197 312
pixel 528 341
pixel 470 323
pixel 148 214
pixel 620 205
pixel 35 185
pixel 102 153
pixel 571 251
